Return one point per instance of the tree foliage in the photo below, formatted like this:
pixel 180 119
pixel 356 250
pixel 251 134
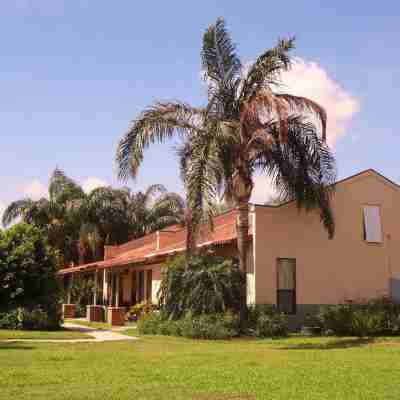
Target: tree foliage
pixel 27 269
pixel 78 225
pixel 203 284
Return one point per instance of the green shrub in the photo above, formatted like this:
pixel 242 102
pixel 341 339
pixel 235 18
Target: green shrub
pixel 35 319
pixel 375 317
pixel 208 326
pixel 27 275
pixel 135 312
pixel 264 320
pixel 272 326
pixel 204 284
pixel 211 326
pixel 10 320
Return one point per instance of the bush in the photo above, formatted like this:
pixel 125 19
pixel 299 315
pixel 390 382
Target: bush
pixel 272 326
pixel 265 320
pixel 138 310
pixel 211 326
pixel 372 318
pixel 27 272
pixel 204 284
pixel 10 320
pixel 35 319
pixel 208 326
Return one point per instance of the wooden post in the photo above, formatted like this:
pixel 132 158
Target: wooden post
pixel 71 281
pixel 95 288
pixel 117 277
pixel 105 287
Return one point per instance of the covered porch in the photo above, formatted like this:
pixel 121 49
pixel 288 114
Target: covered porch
pixel 114 291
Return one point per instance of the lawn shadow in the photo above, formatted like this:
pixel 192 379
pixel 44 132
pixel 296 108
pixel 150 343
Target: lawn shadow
pixel 15 346
pixel 345 343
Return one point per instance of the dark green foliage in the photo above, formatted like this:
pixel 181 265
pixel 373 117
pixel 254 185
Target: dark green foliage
pixel 204 326
pixel 29 290
pixel 10 320
pixel 265 320
pixel 27 269
pixel 373 318
pixel 82 292
pixel 203 284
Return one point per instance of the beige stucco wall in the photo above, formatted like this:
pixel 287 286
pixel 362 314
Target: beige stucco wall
pixel 331 271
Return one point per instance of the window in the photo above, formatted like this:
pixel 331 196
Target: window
pixel 286 293
pixel 372 224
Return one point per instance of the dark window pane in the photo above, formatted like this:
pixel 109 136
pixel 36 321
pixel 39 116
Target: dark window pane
pixel 287 301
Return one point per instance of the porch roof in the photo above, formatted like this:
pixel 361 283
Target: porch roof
pixel 158 246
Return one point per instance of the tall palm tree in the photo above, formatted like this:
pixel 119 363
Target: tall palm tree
pixel 247 125
pixel 78 225
pixel 52 214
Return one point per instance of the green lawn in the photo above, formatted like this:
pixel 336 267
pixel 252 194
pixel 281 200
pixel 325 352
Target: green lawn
pixel 54 335
pixel 90 324
pixel 175 368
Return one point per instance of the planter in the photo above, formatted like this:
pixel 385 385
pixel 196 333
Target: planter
pixel 115 316
pixel 95 313
pixel 69 311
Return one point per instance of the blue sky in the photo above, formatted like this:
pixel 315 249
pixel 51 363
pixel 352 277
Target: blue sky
pixel 74 73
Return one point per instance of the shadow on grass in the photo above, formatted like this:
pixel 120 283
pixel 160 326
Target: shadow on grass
pixel 330 345
pixel 15 346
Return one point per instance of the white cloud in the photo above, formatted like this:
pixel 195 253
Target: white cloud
pixel 309 79
pixel 92 183
pixel 2 209
pixel 35 190
pixel 263 189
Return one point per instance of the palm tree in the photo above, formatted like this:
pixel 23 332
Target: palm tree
pixel 114 216
pixel 52 214
pixel 78 225
pixel 248 125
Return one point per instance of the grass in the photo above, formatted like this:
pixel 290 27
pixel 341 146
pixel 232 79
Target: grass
pixel 176 368
pixel 61 334
pixel 90 324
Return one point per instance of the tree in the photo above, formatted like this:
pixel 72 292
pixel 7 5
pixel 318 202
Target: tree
pixel 27 269
pixel 247 126
pixel 78 225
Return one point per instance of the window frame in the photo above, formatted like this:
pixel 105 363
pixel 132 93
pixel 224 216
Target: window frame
pixel 294 291
pixel 364 228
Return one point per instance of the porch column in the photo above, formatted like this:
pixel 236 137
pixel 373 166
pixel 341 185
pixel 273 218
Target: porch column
pixel 95 289
pixel 105 287
pixel 145 286
pixel 118 278
pixel 70 283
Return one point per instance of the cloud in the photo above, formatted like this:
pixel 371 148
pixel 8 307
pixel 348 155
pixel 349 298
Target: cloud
pixel 263 189
pixel 35 190
pixel 2 209
pixel 309 79
pixel 92 183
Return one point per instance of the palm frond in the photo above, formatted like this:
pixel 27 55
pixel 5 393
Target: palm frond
pixel 302 169
pixel 266 70
pixel 219 59
pixel 156 124
pixel 17 209
pixel 302 104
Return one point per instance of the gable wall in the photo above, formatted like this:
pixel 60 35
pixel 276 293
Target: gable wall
pixel 331 271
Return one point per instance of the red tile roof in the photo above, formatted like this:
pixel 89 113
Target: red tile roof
pixel 157 246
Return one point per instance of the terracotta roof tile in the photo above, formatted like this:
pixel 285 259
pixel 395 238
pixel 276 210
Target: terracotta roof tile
pixel 168 241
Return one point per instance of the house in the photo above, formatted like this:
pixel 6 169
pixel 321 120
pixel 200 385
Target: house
pixel 292 262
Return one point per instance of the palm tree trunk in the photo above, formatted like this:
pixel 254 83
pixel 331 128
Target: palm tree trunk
pixel 242 228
